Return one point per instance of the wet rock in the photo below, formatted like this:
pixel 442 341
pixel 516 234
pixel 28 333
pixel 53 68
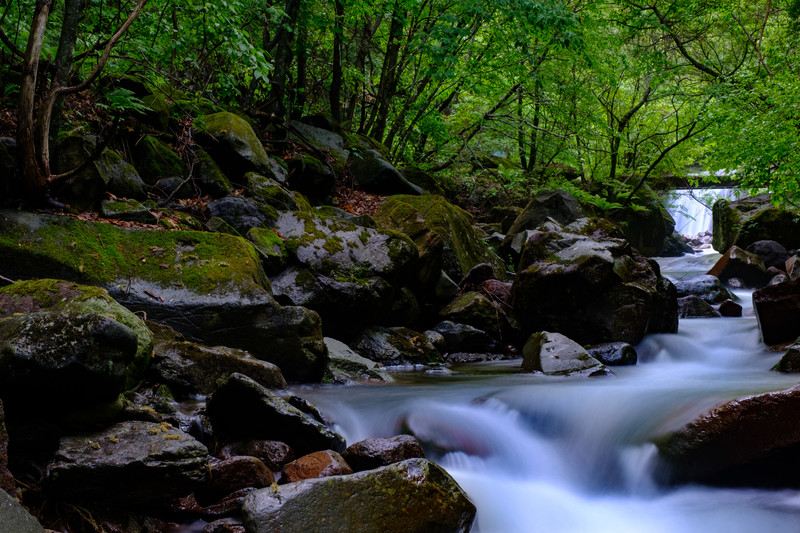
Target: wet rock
pixel 736 263
pixel 189 368
pixel 82 358
pixel 323 463
pixel 695 307
pixel 209 176
pixel 155 160
pixel 346 366
pixel 793 267
pixel 374 174
pixel 772 253
pixel 555 354
pixel 127 210
pixel 273 453
pixel 241 213
pixel 480 311
pixel 236 473
pixel 557 205
pixel 790 362
pixel 747 441
pixel 597 288
pixel 176 187
pixel 310 176
pixel 743 222
pixel 241 409
pixel 15 519
pixel 395 346
pixel 145 462
pixel 224 525
pixel 464 338
pixel 462 245
pixel 675 246
pixel 614 353
pixel 777 308
pixel 730 308
pixel 232 143
pixel 65 297
pixel 707 287
pixel 375 453
pixel 411 496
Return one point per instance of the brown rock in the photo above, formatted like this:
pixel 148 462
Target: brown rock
pixel 6 479
pixel 273 453
pixel 374 453
pixel 748 440
pixel 736 263
pixel 224 525
pixel 239 472
pixel 318 464
pixel 730 308
pixel 778 311
pixel 793 267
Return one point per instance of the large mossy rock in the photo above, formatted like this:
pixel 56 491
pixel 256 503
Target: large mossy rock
pixel 647 228
pixel 233 144
pixel 462 244
pixel 208 286
pixel 65 297
pixel 241 409
pixel 109 172
pixel 155 160
pixel 242 213
pixel 311 176
pixel 746 221
pixel 374 174
pixel 396 346
pixel 414 495
pixel 591 288
pixel 323 140
pixel 144 462
pixel 82 358
pixel 14 518
pixel 746 441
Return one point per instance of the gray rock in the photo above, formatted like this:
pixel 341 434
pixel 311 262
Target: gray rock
pixel 374 174
pixel 790 362
pixel 464 338
pixel 375 453
pixel 82 358
pixel 190 368
pixel 614 353
pixel 395 346
pixel 555 354
pixel 271 192
pixel 772 253
pixel 15 519
pixel 209 177
pixel 346 366
pixel 241 213
pixel 241 409
pixel 695 307
pixel 232 143
pixel 411 496
pixel 144 462
pixel 707 287
pixel 127 210
pixel 310 176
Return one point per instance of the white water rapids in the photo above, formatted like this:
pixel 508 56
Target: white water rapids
pixel 556 455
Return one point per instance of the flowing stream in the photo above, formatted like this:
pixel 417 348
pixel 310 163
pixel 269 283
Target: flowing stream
pixel 555 455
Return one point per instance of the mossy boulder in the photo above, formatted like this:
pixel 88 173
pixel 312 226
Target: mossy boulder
pixel 189 368
pixel 396 346
pixel 209 177
pixel 335 247
pixel 82 359
pixel 159 113
pixel 241 409
pixel 412 496
pixel 346 302
pixel 648 227
pixel 231 142
pixel 374 174
pixel 597 289
pixel 66 297
pixel 272 193
pixel 746 221
pixel 155 160
pixel 334 212
pixel 310 176
pixel 270 247
pixel 323 141
pixel 109 172
pixel 241 213
pixel 463 247
pixel 130 210
pixel 155 461
pixel 427 182
pixel 480 311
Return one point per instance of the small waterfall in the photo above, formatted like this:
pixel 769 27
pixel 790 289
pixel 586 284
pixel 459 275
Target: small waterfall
pixel 691 208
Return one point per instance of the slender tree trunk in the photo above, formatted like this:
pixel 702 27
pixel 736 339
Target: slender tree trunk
pixel 337 79
pixel 64 58
pixel 300 86
pixel 389 75
pixel 283 61
pixel 34 179
pixel 523 160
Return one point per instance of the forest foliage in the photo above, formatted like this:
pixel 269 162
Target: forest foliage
pixel 607 94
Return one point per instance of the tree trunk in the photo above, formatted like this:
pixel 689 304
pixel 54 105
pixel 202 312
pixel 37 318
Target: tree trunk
pixel 283 61
pixel 335 93
pixel 34 179
pixel 389 75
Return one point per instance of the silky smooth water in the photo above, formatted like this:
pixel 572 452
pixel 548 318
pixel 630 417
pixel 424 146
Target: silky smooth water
pixel 554 454
pixel 691 208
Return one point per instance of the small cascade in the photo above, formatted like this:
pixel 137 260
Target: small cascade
pixel 691 208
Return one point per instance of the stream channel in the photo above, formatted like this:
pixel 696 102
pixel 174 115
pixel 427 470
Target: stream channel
pixel 550 454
